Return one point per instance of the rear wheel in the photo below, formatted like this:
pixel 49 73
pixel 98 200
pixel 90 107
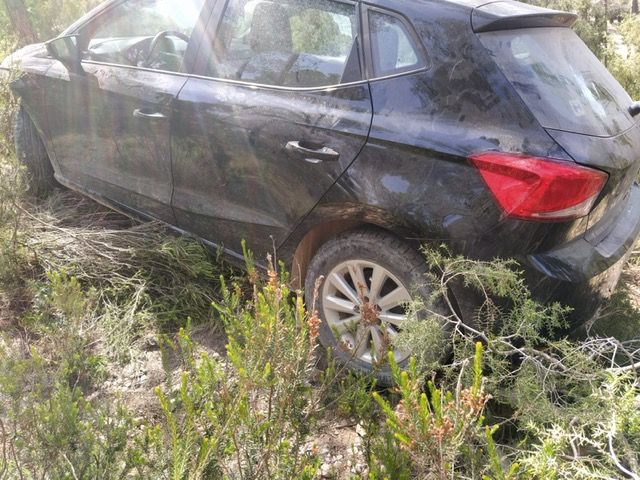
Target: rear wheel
pixel 366 281
pixel 32 153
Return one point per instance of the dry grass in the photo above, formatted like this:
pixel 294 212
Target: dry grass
pixel 136 278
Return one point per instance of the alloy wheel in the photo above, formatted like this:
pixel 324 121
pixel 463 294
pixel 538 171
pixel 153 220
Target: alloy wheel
pixel 365 306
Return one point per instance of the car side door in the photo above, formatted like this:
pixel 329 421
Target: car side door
pixel 111 122
pixel 278 110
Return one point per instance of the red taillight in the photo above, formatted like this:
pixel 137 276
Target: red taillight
pixel 541 189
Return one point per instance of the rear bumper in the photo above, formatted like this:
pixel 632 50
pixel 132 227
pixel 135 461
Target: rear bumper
pixel 585 271
pixel 585 298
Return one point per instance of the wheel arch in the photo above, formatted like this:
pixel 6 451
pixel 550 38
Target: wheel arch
pixel 315 237
pixel 464 300
pixel 25 108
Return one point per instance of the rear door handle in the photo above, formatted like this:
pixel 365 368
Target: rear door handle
pixel 312 153
pixel 140 113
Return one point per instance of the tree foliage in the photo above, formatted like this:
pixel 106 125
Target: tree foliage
pixel 627 70
pixel 46 18
pixel 592 22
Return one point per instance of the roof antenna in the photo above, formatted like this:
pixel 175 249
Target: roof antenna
pixel 634 109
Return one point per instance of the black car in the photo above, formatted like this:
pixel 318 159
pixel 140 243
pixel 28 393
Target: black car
pixel 344 134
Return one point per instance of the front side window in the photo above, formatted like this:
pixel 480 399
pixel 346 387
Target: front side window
pixel 288 43
pixel 393 48
pixel 144 33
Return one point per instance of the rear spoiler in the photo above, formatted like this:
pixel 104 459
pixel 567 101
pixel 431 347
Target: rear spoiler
pixel 510 15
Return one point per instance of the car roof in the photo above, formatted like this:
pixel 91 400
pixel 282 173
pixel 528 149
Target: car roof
pixel 418 8
pixel 470 4
pixel 402 4
pixel 482 15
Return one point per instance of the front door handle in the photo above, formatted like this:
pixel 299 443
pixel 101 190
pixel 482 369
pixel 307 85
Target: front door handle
pixel 140 113
pixel 313 153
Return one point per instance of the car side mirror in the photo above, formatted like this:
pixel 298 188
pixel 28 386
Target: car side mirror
pixel 67 51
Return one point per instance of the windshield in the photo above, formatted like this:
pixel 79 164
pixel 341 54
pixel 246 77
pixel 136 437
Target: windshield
pixel 561 81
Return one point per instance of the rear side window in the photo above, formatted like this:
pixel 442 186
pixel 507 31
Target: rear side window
pixel 561 81
pixel 288 43
pixel 393 48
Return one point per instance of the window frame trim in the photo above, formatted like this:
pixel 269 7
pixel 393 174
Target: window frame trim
pixel 241 83
pixel 423 57
pixel 212 32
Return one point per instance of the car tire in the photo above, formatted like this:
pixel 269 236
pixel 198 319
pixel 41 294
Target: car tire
pixel 329 290
pixel 33 155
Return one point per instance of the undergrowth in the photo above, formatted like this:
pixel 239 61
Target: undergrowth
pixel 85 291
pixel 559 408
pixel 81 287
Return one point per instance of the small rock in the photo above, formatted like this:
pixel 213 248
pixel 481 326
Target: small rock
pixel 149 344
pixel 358 468
pixel 325 470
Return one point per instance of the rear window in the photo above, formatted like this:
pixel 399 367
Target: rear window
pixel 561 81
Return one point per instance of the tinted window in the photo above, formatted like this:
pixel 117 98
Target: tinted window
pixel 562 82
pixel 393 48
pixel 126 35
pixel 290 43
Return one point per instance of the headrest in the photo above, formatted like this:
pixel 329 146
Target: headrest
pixel 271 29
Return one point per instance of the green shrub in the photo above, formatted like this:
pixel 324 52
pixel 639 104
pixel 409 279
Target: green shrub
pixel 247 417
pixel 560 401
pixel 53 430
pixel 442 433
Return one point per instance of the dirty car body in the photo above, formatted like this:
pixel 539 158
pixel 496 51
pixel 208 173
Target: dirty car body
pixel 489 127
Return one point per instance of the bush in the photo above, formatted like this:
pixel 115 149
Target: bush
pixel 250 418
pixel 52 429
pixel 251 415
pixel 441 434
pixel 247 417
pixel 560 401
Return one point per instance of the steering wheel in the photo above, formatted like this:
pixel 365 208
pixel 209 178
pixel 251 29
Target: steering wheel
pixel 160 37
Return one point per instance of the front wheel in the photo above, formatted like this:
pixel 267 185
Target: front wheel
pixel 32 153
pixel 366 281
